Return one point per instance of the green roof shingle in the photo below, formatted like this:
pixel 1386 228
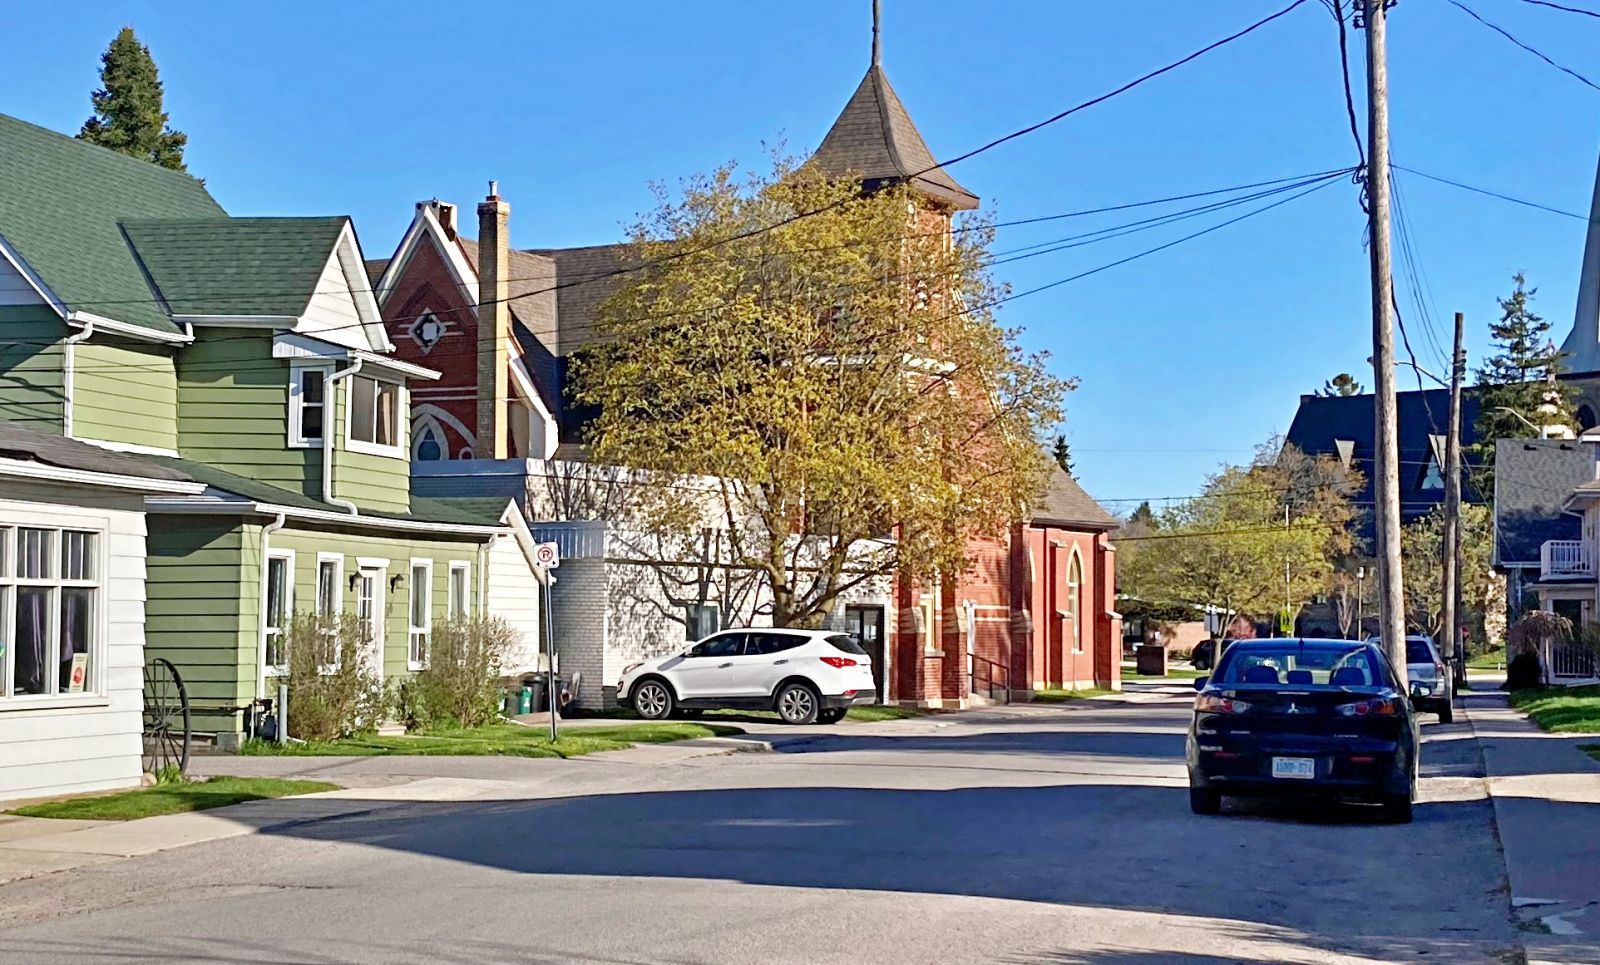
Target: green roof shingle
pixel 235 266
pixel 61 204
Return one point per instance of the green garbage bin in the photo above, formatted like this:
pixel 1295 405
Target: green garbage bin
pixel 525 700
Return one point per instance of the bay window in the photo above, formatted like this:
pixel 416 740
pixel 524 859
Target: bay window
pixel 51 588
pixel 374 414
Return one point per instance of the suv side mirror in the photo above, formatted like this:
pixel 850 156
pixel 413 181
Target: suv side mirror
pixel 1200 682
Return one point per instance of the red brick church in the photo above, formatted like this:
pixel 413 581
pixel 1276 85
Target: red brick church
pixel 1035 609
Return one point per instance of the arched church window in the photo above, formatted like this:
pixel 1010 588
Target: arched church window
pixel 429 449
pixel 1586 419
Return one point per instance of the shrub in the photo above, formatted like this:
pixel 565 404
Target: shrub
pixel 1523 672
pixel 335 689
pixel 461 686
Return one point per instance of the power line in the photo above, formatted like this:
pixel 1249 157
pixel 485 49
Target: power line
pixel 1563 7
pixel 1490 193
pixel 1526 46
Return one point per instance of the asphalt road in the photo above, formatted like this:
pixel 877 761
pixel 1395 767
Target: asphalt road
pixel 1035 835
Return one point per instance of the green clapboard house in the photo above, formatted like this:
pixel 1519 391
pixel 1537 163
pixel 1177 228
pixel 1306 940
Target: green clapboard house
pixel 249 355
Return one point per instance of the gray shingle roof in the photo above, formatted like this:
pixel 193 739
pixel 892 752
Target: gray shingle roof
pixel 1532 479
pixel 874 139
pixel 61 202
pixel 588 279
pixel 235 266
pixel 50 449
pixel 1065 503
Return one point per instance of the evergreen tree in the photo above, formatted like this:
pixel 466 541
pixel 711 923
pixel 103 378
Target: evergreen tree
pixel 1062 454
pixel 128 115
pixel 1518 376
pixel 1340 385
pixel 1143 517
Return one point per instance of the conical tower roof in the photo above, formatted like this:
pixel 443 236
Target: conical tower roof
pixel 875 138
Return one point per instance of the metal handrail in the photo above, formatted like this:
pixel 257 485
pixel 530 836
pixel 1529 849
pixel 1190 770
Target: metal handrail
pixel 990 666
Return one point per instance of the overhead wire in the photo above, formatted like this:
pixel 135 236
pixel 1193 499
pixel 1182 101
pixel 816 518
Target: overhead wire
pixel 1524 45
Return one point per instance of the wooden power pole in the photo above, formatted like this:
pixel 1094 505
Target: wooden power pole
pixel 1391 593
pixel 1452 512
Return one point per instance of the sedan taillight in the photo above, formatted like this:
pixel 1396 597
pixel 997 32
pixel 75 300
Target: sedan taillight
pixel 840 662
pixel 1205 703
pixel 1369 708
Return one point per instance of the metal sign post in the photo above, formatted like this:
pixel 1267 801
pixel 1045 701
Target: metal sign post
pixel 548 556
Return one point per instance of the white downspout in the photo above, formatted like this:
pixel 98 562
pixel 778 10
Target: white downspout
pixel 261 629
pixel 69 374
pixel 330 431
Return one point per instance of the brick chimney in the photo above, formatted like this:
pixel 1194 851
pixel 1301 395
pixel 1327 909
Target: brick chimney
pixel 494 324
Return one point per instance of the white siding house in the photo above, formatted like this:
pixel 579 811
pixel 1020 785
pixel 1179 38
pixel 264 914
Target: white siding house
pixel 72 599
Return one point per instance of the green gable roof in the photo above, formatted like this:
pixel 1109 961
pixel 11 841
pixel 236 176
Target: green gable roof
pixel 235 266
pixel 61 202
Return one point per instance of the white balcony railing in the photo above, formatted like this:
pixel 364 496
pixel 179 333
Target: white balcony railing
pixel 1565 558
pixel 576 540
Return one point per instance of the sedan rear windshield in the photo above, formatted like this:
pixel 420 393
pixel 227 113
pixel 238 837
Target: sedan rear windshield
pixel 1299 665
pixel 847 643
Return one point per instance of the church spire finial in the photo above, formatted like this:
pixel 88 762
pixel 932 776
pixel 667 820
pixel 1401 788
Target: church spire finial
pixel 877 43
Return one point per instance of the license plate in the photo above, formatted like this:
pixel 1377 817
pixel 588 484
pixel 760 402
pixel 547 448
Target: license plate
pixel 1295 768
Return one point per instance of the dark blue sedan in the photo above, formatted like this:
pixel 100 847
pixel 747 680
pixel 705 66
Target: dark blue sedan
pixel 1287 717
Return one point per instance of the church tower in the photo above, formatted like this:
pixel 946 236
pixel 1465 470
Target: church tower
pixel 1582 345
pixel 875 139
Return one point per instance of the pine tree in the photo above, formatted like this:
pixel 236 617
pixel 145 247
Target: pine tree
pixel 128 115
pixel 1144 517
pixel 1342 384
pixel 1517 377
pixel 1062 453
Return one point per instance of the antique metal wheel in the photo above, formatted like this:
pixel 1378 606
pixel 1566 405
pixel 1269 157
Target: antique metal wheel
pixel 166 719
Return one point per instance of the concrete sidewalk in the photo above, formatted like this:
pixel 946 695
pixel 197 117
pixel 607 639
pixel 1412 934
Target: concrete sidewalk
pixel 1546 794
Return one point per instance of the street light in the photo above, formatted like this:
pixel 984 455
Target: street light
pixel 1520 417
pixel 1361 596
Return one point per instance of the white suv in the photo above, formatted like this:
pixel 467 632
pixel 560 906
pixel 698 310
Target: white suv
pixel 807 676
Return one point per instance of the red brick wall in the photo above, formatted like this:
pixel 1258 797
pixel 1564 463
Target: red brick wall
pixel 1053 659
pixel 427 285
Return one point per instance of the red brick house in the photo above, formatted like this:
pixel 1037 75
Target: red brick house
pixel 1034 609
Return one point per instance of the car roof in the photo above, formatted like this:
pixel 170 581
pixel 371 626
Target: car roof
pixel 1301 641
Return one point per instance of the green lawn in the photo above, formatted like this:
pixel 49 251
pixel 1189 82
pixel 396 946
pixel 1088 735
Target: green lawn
pixel 172 798
pixel 1493 660
pixel 1563 710
pixel 1058 696
pixel 1173 673
pixel 510 740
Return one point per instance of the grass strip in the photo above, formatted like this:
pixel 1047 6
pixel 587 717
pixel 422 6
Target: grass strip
pixel 171 798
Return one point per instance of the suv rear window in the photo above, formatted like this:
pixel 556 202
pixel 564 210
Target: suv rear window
pixel 1417 651
pixel 847 643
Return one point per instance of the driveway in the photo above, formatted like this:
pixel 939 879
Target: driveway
pixel 1021 835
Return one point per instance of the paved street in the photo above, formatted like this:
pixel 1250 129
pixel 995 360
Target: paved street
pixel 1028 835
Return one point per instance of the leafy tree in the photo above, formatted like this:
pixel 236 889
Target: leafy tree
pixel 1518 376
pixel 1340 385
pixel 1227 547
pixel 128 114
pixel 816 387
pixel 1062 454
pixel 1422 562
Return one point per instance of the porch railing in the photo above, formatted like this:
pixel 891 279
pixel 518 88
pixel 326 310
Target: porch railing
pixel 575 540
pixel 1565 558
pixel 1572 660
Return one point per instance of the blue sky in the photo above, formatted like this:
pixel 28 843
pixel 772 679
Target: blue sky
pixel 1187 358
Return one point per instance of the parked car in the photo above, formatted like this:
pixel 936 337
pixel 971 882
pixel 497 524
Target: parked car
pixel 1428 677
pixel 1303 717
pixel 806 676
pixel 1203 656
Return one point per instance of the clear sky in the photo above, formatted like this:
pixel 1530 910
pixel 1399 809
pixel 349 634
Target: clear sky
pixel 1188 358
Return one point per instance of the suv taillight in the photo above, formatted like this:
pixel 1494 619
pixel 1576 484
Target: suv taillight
pixel 1369 708
pixel 1205 703
pixel 840 662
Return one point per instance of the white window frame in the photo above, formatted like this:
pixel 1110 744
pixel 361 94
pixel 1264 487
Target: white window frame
pixel 15 517
pixel 337 559
pixel 417 657
pixel 452 610
pixel 402 418
pixel 268 631
pixel 297 402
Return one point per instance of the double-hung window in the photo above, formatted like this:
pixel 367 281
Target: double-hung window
pixel 421 619
pixel 460 579
pixel 308 405
pixel 330 576
pixel 374 415
pixel 50 598
pixel 279 610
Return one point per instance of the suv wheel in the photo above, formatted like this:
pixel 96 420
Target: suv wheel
pixel 798 703
pixel 652 700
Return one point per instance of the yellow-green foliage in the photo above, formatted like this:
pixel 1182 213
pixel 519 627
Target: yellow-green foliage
pixel 841 376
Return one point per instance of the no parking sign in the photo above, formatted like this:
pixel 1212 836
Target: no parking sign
pixel 547 555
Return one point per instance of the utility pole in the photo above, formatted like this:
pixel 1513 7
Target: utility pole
pixel 1391 594
pixel 1452 511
